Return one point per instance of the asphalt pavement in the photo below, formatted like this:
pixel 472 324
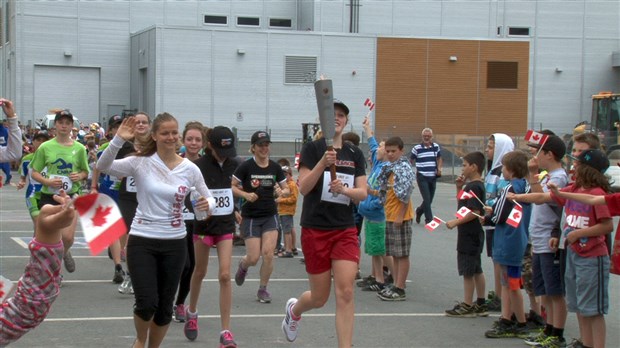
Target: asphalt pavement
pixel 91 313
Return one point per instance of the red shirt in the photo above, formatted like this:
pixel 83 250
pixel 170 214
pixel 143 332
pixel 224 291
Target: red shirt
pixel 579 215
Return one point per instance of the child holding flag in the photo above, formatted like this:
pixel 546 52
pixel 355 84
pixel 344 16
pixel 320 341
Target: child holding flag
pixel 587 262
pixel 470 238
pixel 509 242
pixel 39 287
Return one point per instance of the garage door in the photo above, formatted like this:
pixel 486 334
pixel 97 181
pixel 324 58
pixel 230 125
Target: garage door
pixel 73 88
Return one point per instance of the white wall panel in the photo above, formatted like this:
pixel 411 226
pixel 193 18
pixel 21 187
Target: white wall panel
pixel 560 19
pixel 599 22
pixel 144 14
pixel 376 17
pixel 417 18
pixel 182 13
pixel 112 10
pixel 333 17
pixel 465 19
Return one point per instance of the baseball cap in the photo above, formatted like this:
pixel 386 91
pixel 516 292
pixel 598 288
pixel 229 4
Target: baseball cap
pixel 63 113
pixel 260 137
pixel 554 144
pixel 114 120
pixel 593 158
pixel 342 105
pixel 222 141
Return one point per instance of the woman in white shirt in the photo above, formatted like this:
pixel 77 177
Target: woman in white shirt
pixel 156 249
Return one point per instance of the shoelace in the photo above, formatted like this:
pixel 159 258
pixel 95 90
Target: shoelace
pixel 192 324
pixel 227 337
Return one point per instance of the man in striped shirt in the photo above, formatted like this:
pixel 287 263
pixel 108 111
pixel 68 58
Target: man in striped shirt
pixel 426 157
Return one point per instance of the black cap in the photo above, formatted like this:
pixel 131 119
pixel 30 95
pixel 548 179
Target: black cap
pixel 114 120
pixel 260 137
pixel 222 141
pixel 342 105
pixel 593 158
pixel 63 113
pixel 554 144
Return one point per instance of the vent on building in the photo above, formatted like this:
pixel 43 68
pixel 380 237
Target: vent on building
pixel 299 69
pixel 214 19
pixel 248 21
pixel 503 75
pixel 280 23
pixel 518 31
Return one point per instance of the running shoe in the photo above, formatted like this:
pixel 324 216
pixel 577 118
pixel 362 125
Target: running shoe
pixel 535 340
pixel 179 313
pixel 575 343
pixel 69 262
pixel 240 275
pixel 505 330
pixel 365 281
pixel 191 326
pixel 394 294
pixel 374 286
pixel 119 276
pixel 481 310
pixel 227 340
pixel 535 321
pixel 553 342
pixel 462 310
pixel 290 325
pixel 263 296
pixel 126 287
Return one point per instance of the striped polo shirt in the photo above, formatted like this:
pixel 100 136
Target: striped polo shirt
pixel 426 158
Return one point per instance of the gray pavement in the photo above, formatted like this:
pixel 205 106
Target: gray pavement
pixel 91 313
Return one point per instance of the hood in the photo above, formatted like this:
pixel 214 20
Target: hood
pixel 503 145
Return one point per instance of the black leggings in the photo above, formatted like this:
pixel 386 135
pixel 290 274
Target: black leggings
pixel 155 266
pixel 190 262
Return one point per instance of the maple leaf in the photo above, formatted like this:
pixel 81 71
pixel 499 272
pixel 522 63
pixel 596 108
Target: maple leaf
pixel 516 215
pixel 99 219
pixel 536 137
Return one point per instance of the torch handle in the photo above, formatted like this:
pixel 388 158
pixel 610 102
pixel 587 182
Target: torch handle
pixel 332 168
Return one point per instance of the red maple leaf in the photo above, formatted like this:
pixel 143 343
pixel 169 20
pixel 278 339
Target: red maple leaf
pixel 516 215
pixel 100 215
pixel 536 137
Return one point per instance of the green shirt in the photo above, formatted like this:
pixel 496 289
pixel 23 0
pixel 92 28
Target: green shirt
pixel 61 161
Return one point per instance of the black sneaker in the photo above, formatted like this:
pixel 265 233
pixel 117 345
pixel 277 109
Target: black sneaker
pixel 119 276
pixel 494 304
pixel 394 294
pixel 374 286
pixel 535 322
pixel 462 310
pixel 505 330
pixel 481 310
pixel 418 216
pixel 365 281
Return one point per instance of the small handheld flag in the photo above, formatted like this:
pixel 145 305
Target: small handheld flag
pixel 431 226
pixel 101 221
pixel 464 195
pixel 5 287
pixel 515 216
pixel 534 137
pixel 369 104
pixel 461 213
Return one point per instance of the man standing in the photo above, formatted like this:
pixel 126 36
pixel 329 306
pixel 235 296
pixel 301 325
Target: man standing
pixel 426 157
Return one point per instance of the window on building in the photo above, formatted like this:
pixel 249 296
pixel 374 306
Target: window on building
pixel 518 31
pixel 215 19
pixel 248 21
pixel 300 69
pixel 280 23
pixel 503 75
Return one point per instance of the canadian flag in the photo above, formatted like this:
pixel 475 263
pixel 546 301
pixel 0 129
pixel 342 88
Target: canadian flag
pixel 534 137
pixel 464 195
pixel 431 226
pixel 515 216
pixel 101 221
pixel 5 287
pixel 461 213
pixel 369 104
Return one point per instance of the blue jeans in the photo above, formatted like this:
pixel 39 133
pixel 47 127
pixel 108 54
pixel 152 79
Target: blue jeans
pixel 427 187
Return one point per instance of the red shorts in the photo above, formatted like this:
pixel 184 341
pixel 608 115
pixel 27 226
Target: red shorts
pixel 322 247
pixel 212 240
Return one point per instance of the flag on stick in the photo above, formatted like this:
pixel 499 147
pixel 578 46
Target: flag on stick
pixel 101 221
pixel 431 226
pixel 471 192
pixel 534 137
pixel 464 195
pixel 461 213
pixel 369 104
pixel 5 287
pixel 515 216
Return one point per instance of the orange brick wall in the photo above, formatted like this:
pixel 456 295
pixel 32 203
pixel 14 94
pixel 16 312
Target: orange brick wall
pixel 418 86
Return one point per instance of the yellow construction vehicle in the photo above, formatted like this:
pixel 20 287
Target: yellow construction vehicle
pixel 606 119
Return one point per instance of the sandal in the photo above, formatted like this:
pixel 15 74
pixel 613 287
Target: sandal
pixel 286 254
pixel 295 251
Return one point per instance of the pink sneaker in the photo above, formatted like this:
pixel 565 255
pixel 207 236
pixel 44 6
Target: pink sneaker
pixel 179 313
pixel 227 340
pixel 191 326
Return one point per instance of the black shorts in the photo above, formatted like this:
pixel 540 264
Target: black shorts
pixel 546 275
pixel 468 265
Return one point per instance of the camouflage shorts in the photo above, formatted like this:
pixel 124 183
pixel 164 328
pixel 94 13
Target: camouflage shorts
pixel 526 271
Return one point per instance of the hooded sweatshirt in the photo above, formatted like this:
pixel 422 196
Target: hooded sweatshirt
pixel 494 181
pixel 372 208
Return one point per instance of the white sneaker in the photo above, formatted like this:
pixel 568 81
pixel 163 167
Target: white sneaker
pixel 289 325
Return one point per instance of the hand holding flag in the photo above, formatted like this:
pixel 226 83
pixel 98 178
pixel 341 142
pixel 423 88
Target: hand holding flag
pixel 101 220
pixel 431 226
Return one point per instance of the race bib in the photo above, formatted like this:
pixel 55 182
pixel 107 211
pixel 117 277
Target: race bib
pixel 67 184
pixel 224 204
pixel 328 196
pixel 187 215
pixel 130 185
